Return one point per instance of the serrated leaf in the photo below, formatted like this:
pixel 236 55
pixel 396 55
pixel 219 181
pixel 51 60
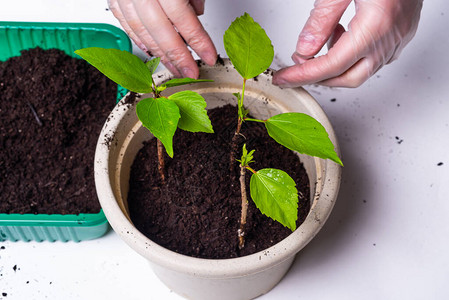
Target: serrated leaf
pixel 246 158
pixel 152 64
pixel 192 108
pixel 275 195
pixel 248 47
pixel 120 66
pixel 161 117
pixel 182 81
pixel 302 133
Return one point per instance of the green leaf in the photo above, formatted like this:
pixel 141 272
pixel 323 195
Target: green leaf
pixel 275 195
pixel 180 81
pixel 161 117
pixel 247 158
pixel 248 47
pixel 152 64
pixel 302 133
pixel 120 66
pixel 192 108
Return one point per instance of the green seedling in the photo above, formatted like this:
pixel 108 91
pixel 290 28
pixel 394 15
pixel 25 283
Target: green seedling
pixel 160 115
pixel 273 191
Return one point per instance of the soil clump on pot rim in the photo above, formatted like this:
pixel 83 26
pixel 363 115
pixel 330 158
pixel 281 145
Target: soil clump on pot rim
pixel 197 211
pixel 52 109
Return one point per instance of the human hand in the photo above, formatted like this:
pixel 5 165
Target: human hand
pixel 377 33
pixel 163 28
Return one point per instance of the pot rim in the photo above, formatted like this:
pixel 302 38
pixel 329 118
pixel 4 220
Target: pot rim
pixel 217 268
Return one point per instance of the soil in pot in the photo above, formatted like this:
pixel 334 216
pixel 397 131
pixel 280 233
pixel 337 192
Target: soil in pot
pixel 52 108
pixel 197 211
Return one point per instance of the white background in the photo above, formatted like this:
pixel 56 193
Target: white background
pixel 388 236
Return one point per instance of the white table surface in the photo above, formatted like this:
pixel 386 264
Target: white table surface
pixel 388 236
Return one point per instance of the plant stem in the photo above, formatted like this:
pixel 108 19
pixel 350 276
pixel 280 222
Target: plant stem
pixel 161 162
pixel 239 126
pixel 241 231
pixel 243 93
pixel 255 120
pixel 251 169
pixel 234 145
pixel 160 146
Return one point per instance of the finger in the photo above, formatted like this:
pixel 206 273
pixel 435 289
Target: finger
pixel 354 76
pixel 198 6
pixel 171 45
pixel 186 22
pixel 116 11
pixel 322 21
pixel 140 31
pixel 339 58
pixel 338 31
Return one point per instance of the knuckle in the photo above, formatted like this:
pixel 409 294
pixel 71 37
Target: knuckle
pixel 197 39
pixel 179 57
pixel 354 81
pixel 176 54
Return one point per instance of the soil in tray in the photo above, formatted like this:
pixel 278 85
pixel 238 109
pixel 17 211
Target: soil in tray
pixel 197 212
pixel 52 108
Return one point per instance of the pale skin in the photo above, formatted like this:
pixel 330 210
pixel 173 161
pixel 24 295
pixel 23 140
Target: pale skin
pixel 375 37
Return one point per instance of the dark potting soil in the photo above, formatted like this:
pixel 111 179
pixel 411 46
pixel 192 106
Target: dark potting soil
pixel 52 108
pixel 197 212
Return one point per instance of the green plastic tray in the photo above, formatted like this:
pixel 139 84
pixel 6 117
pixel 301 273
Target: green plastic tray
pixel 17 36
pixel 41 227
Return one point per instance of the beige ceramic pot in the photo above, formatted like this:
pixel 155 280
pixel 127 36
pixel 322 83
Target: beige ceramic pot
pixel 238 278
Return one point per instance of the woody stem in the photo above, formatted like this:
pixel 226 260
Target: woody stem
pixel 241 231
pixel 161 162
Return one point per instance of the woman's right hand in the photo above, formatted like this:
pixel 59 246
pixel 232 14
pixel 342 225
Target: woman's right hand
pixel 165 28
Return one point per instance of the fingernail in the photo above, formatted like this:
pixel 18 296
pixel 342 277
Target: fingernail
pixel 279 82
pixel 187 72
pixel 209 58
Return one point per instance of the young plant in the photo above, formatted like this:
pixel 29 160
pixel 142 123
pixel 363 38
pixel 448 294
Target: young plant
pixel 251 53
pixel 160 115
pixel 273 191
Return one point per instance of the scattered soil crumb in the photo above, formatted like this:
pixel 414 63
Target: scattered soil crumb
pixel 130 98
pixel 399 140
pixel 220 60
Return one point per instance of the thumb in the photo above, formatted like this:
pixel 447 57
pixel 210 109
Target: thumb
pixel 322 22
